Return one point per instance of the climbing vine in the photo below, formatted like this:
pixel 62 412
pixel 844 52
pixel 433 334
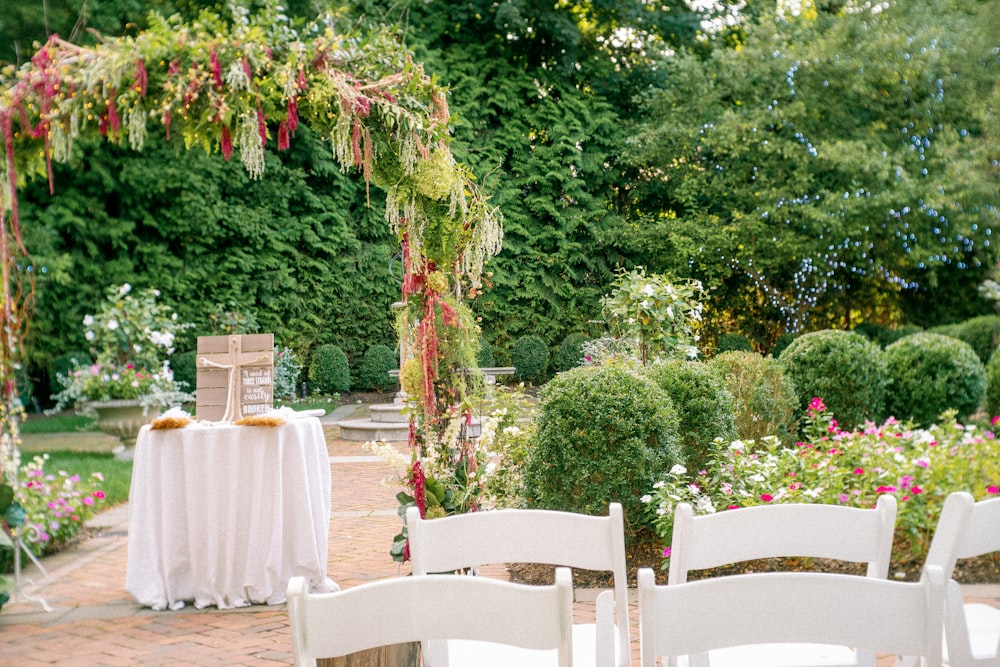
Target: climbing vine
pixel 230 86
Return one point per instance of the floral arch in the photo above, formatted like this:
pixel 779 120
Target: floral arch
pixel 231 87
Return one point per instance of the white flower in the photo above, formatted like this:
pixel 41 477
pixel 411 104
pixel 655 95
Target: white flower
pixel 670 312
pixel 163 339
pixel 647 289
pixel 659 485
pixel 704 505
pixel 678 469
pixel 89 335
pixel 112 324
pixel 156 292
pixel 124 289
pixel 137 348
pixel 512 430
pixel 88 320
pixel 646 498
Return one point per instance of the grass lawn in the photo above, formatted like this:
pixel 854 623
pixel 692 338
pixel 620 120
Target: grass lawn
pixel 64 422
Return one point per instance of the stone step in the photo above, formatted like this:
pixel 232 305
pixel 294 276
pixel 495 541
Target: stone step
pixel 366 430
pixel 389 412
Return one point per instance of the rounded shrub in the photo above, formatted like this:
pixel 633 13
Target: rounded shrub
pixel 376 363
pixel 930 373
pixel 780 345
pixel 982 333
pixel 705 408
pixel 843 368
pixel 530 358
pixel 730 342
pixel 764 398
pixel 570 353
pixel 329 371
pixel 992 389
pixel 604 435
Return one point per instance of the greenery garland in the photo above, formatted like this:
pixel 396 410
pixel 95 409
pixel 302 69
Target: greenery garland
pixel 231 86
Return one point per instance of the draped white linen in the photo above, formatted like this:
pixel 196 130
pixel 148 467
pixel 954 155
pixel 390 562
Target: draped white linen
pixel 226 515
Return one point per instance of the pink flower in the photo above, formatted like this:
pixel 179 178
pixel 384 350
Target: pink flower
pixel 923 463
pixel 666 552
pixel 885 489
pixel 993 422
pixel 88 501
pixel 993 489
pixel 817 404
pixel 916 490
pixel 794 486
pixel 766 497
pixel 859 471
pixel 844 498
pixel 733 507
pixel 99 494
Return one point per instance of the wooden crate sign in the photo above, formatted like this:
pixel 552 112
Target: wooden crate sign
pixel 235 376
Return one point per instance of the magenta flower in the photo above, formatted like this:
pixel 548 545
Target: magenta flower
pixel 766 497
pixel 885 489
pixel 993 489
pixel 916 490
pixel 99 494
pixel 666 552
pixel 859 471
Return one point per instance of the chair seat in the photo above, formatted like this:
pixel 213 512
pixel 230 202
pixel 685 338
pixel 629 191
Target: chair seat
pixel 464 653
pixel 983 622
pixel 781 655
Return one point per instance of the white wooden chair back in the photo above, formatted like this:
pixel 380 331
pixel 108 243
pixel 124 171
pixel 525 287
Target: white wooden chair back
pixel 530 536
pixel 695 618
pixel 411 609
pixel 785 530
pixel 967 529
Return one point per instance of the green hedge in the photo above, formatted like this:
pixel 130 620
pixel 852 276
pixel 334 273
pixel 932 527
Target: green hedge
pixel 329 371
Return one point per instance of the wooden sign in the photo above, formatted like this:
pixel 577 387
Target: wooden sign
pixel 235 376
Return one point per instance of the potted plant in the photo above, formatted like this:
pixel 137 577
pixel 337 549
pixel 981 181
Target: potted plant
pixel 128 381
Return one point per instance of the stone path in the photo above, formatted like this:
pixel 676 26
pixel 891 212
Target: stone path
pixel 96 623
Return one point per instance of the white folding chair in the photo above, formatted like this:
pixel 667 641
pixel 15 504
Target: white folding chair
pixel 411 609
pixel 967 529
pixel 695 618
pixel 785 530
pixel 528 536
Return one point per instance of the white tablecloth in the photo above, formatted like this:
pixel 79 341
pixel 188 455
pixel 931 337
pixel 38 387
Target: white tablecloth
pixel 226 515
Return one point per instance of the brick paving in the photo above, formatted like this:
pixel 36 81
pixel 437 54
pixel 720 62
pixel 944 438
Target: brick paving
pixel 94 622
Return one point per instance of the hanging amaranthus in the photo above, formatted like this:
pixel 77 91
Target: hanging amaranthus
pixel 219 84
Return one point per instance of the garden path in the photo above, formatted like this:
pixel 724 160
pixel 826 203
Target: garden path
pixel 96 623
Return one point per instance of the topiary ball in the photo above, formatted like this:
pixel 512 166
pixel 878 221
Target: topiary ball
pixel 376 363
pixel 704 406
pixel 930 373
pixel 329 371
pixel 843 368
pixel 604 435
pixel 764 398
pixel 530 357
pixel 730 342
pixel 570 353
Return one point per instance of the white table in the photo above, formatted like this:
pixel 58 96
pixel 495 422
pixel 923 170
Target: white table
pixel 225 515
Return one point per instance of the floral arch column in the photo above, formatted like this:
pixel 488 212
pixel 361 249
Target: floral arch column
pixel 231 86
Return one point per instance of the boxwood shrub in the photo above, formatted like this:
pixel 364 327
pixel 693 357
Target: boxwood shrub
pixel 982 333
pixel 730 342
pixel 376 363
pixel 604 434
pixel 843 368
pixel 705 408
pixel 570 353
pixel 530 358
pixel 930 373
pixel 329 372
pixel 993 384
pixel 764 398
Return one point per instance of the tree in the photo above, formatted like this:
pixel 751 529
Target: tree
pixel 829 160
